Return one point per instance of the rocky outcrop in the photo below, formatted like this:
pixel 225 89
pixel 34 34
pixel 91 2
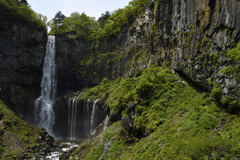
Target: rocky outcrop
pixel 190 36
pixel 22 50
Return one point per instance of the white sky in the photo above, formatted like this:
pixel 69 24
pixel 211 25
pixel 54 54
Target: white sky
pixel 93 8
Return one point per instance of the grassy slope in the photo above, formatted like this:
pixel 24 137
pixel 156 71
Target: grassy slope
pixel 180 122
pixel 16 135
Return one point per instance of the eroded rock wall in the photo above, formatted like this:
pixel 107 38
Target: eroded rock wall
pixel 190 36
pixel 22 50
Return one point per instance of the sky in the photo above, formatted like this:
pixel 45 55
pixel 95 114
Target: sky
pixel 93 8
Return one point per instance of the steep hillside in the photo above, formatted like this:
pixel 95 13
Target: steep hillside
pixel 18 139
pixel 163 116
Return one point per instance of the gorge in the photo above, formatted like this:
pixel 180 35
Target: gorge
pixel 159 80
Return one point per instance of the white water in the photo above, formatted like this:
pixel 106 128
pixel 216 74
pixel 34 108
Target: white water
pixel 83 118
pixel 72 110
pixel 86 116
pixel 95 108
pixel 106 123
pixel 53 156
pixel 43 111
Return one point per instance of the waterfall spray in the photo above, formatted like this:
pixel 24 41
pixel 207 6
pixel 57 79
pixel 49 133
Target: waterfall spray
pixel 43 110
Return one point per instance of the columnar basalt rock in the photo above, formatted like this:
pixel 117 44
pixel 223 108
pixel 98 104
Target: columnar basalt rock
pixel 189 36
pixel 22 50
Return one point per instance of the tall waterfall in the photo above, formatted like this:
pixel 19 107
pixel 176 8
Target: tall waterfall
pixel 43 111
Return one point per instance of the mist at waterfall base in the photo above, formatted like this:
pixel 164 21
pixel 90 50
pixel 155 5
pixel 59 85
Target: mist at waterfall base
pixel 72 120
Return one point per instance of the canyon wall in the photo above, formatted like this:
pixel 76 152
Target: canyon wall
pixel 22 50
pixel 190 36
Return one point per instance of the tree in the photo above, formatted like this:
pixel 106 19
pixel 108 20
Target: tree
pixel 23 2
pixel 103 18
pixel 56 22
pixel 58 19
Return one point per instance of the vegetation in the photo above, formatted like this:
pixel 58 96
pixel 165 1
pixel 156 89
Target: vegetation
pixel 88 28
pixel 178 121
pixel 16 131
pixel 11 11
pixel 110 136
pixel 233 68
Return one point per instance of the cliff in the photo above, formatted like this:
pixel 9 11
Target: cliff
pixel 22 50
pixel 191 37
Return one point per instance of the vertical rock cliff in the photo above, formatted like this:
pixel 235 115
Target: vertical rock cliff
pixel 22 50
pixel 190 36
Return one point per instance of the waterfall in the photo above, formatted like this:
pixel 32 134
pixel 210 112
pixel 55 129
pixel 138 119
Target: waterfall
pixel 86 111
pixel 105 123
pixel 94 116
pixel 72 114
pixel 43 109
pixel 83 117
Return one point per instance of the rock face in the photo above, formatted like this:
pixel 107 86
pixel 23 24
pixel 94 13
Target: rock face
pixel 190 36
pixel 22 50
pixel 72 55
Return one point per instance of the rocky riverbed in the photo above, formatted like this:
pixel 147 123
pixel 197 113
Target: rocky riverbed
pixel 51 149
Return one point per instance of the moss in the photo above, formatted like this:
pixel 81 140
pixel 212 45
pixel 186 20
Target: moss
pixel 115 136
pixel 214 56
pixel 204 41
pixel 233 68
pixel 25 132
pixel 181 33
pixel 217 92
pixel 95 153
pixel 210 81
pixel 178 122
pixel 153 30
pixel 156 7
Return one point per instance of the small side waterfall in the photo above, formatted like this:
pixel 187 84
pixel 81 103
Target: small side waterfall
pixel 72 111
pixel 94 116
pixel 43 110
pixel 87 121
pixel 106 121
pixel 83 117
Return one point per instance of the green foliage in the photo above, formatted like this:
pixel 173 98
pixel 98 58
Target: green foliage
pixel 153 30
pixel 104 81
pixel 87 28
pixel 12 12
pixel 100 91
pixel 234 54
pixel 178 121
pixel 156 7
pixel 94 148
pixel 181 33
pixel 25 132
pixel 217 92
pixel 233 69
pixel 214 56
pixel 95 153
pixel 204 41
